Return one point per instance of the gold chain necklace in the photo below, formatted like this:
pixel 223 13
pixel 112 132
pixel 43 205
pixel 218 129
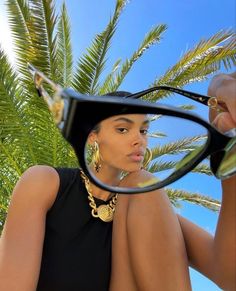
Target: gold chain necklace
pixel 105 211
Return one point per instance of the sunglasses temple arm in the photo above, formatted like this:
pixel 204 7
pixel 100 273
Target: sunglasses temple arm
pixel 41 92
pixel 203 99
pixel 33 71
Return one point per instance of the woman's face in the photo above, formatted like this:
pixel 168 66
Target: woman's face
pixel 122 141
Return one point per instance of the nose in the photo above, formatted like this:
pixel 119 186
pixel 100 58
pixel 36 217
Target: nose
pixel 139 139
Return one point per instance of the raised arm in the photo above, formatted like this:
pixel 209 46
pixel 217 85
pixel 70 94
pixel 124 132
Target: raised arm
pixel 216 256
pixel 23 234
pixel 224 88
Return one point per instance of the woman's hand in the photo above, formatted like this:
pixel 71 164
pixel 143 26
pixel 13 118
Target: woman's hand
pixel 223 87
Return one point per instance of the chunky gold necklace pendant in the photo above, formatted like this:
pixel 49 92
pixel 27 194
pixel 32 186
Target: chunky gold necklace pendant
pixel 105 213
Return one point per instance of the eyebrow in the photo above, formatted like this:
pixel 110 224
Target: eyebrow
pixel 125 119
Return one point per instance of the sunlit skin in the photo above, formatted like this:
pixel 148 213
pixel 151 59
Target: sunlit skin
pixel 122 141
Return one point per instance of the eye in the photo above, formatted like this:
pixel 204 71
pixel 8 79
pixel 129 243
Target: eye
pixel 144 131
pixel 122 129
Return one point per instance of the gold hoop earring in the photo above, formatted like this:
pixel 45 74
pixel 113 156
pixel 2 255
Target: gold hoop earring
pixel 96 157
pixel 147 158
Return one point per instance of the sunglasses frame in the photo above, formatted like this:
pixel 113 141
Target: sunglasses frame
pixel 99 108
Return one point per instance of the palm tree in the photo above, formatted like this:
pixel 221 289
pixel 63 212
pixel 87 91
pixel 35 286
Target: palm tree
pixel 28 134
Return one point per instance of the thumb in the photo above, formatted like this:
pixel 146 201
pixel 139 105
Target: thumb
pixel 224 122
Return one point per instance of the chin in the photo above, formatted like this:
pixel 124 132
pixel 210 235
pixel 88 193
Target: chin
pixel 133 168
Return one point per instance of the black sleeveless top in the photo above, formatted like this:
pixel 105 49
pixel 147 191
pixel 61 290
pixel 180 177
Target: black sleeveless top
pixel 77 247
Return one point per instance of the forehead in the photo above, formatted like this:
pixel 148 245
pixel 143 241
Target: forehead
pixel 126 118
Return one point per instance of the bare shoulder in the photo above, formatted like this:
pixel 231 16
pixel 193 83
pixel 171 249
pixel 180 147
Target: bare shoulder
pixel 40 170
pixel 39 182
pixel 21 242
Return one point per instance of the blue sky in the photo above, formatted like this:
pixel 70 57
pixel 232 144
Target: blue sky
pixel 188 22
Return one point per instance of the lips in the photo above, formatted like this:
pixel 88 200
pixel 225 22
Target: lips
pixel 136 156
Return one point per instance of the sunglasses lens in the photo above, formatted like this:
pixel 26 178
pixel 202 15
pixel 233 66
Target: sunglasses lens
pixel 120 142
pixel 227 159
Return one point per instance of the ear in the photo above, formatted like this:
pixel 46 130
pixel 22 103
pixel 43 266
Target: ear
pixel 92 138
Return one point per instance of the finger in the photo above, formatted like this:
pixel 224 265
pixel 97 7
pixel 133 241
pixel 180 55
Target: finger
pixel 231 107
pixel 224 122
pixel 230 100
pixel 213 112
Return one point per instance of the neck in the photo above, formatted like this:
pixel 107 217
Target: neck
pixel 107 176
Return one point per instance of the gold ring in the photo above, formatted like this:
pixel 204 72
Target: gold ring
pixel 212 102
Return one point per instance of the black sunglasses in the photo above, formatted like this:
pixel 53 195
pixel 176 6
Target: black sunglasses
pixel 86 112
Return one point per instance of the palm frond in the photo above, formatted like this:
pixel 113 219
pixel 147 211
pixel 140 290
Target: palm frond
pixel 201 61
pixel 110 79
pixel 160 165
pixel 8 180
pixel 180 146
pixel 156 134
pixel 28 134
pixel 43 36
pixel 195 198
pixel 187 107
pixel 203 169
pixel 7 183
pixel 12 131
pixel 153 37
pixel 65 60
pixel 3 209
pixel 91 65
pixel 20 21
pixel 11 119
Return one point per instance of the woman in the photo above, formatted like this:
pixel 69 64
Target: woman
pixel 53 239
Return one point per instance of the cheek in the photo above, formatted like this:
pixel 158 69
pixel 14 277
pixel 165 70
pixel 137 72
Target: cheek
pixel 145 141
pixel 112 150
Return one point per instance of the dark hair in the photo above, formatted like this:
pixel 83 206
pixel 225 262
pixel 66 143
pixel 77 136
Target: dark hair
pixel 118 94
pixel 115 94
